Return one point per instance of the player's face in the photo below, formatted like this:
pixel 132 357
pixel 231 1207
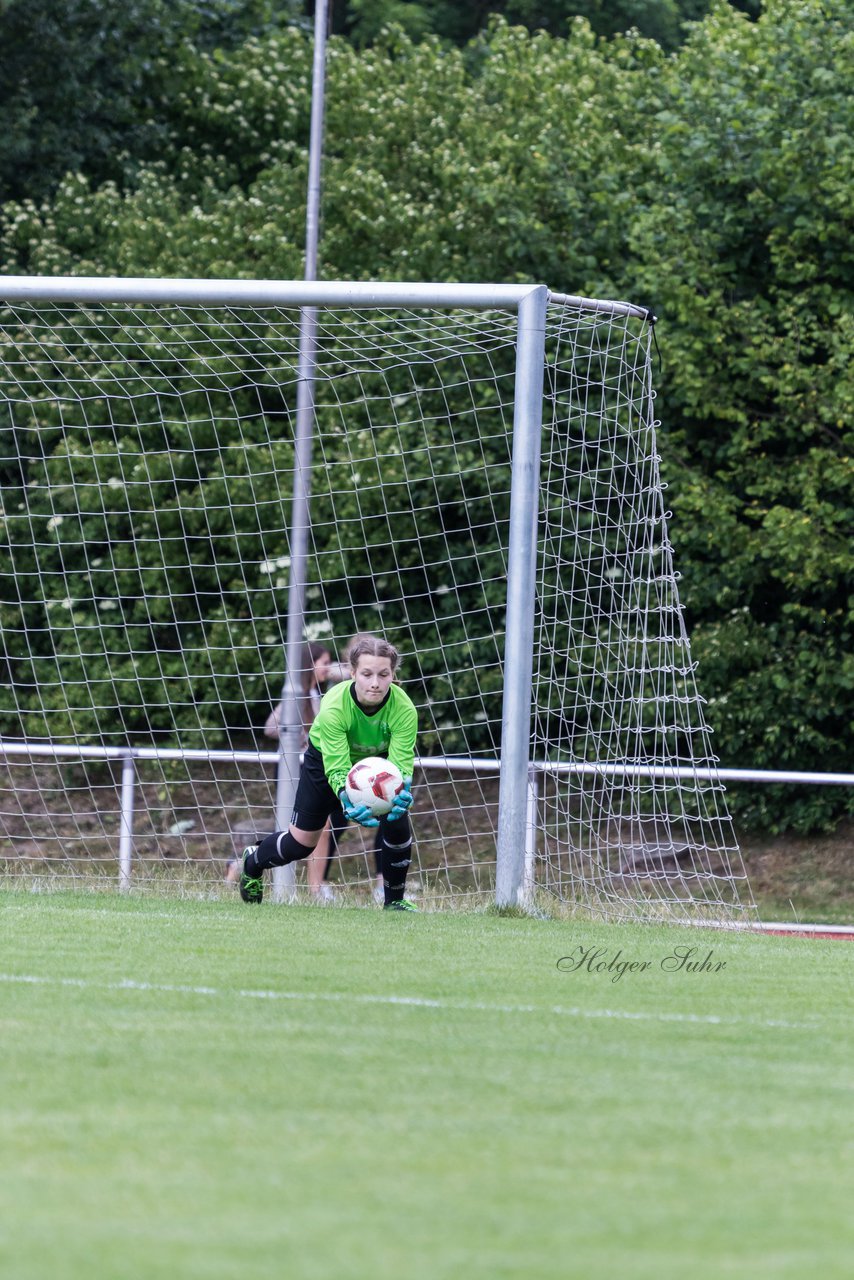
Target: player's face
pixel 372 678
pixel 321 668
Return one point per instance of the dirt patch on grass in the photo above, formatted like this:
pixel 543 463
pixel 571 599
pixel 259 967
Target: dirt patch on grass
pixel 803 878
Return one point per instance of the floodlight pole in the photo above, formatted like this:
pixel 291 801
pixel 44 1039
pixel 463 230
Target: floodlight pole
pixel 290 723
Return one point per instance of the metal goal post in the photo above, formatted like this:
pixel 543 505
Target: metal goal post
pixel 529 303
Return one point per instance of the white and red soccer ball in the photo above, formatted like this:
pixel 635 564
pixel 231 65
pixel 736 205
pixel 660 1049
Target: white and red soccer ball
pixel 374 782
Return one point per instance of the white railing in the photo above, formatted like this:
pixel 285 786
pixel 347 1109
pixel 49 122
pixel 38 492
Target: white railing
pixel 457 764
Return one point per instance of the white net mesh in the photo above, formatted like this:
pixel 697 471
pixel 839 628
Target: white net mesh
pixel 147 464
pixel 632 819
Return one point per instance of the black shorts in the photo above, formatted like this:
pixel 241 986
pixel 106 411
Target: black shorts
pixel 315 800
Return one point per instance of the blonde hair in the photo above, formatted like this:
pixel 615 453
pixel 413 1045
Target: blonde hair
pixel 373 647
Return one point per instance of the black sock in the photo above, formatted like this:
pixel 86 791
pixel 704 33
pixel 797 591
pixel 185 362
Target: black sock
pixel 395 853
pixel 277 850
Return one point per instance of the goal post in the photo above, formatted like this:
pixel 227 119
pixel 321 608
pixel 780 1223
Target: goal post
pixel 481 486
pixel 521 591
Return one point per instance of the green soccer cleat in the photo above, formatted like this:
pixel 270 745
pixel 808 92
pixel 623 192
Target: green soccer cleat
pixel 251 887
pixel 402 905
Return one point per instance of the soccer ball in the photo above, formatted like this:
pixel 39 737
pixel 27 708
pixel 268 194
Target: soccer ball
pixel 374 782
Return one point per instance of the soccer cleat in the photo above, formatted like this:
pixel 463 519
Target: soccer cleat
pixel 251 887
pixel 402 905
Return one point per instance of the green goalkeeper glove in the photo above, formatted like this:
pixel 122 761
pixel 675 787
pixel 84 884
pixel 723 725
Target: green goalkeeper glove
pixel 357 812
pixel 402 801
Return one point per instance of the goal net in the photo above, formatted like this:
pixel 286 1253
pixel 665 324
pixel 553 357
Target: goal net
pixel 148 453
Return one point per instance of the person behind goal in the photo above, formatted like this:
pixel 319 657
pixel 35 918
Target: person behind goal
pixel 367 715
pixel 315 668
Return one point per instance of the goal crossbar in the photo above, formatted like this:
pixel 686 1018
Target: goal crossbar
pixel 289 293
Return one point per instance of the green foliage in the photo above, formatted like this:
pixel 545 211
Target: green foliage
pixel 741 239
pixel 662 20
pixel 84 83
pixel 711 184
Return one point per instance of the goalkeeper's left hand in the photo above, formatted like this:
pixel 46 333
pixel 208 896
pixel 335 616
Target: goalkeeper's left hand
pixel 402 801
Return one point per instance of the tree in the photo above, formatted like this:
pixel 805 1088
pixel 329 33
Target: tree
pixel 663 20
pixel 83 83
pixel 740 239
pixel 710 184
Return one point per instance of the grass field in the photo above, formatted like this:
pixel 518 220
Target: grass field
pixel 203 1090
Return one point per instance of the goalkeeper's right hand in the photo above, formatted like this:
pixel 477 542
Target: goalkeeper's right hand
pixel 357 812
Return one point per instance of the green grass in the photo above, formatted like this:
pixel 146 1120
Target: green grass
pixel 512 1120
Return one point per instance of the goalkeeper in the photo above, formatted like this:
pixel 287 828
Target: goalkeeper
pixel 368 715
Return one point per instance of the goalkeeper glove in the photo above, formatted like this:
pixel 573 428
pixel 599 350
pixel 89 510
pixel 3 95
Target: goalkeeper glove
pixel 357 812
pixel 402 801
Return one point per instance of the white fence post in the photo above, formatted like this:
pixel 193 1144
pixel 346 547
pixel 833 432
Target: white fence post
pixel 126 821
pixel 529 879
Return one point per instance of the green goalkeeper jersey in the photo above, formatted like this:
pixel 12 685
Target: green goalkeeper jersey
pixel 343 733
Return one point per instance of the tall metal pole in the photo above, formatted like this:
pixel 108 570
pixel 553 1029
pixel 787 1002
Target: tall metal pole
pixel 290 724
pixel 521 594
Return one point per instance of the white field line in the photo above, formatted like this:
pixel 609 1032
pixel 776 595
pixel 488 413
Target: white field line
pixel 418 1002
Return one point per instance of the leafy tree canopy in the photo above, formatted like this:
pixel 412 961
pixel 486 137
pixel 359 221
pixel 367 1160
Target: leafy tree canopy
pixel 83 82
pixel 711 183
pixel 662 20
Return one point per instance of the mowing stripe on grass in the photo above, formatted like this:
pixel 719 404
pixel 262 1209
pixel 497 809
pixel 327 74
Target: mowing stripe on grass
pixel 422 1002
